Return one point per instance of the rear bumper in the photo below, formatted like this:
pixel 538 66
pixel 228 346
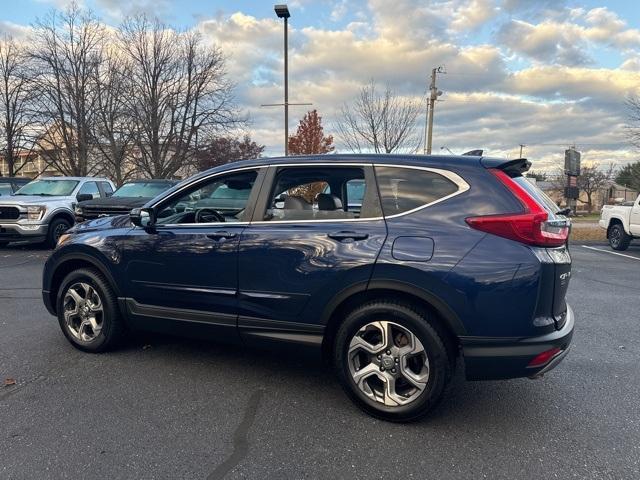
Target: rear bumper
pixel 16 232
pixel 500 358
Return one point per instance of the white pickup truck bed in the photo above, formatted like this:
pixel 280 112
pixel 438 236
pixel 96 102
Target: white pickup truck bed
pixel 622 224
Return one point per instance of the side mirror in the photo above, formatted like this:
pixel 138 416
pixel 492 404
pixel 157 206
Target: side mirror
pixel 81 197
pixel 143 217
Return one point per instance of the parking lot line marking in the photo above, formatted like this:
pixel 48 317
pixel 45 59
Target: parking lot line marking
pixel 612 253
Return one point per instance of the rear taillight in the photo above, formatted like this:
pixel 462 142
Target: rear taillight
pixel 531 226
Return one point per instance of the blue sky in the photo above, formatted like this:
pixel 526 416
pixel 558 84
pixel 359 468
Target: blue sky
pixel 519 71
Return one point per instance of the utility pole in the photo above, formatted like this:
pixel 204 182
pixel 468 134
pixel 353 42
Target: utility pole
pixel 434 93
pixel 521 147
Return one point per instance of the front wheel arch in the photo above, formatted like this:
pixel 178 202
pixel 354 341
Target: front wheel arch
pixel 76 262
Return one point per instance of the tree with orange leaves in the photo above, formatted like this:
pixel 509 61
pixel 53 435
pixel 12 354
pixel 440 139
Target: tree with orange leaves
pixel 310 137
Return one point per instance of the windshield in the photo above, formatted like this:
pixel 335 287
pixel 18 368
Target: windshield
pixel 49 188
pixel 5 189
pixel 141 189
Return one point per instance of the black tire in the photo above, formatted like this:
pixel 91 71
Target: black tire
pixel 415 320
pixel 56 228
pixel 112 325
pixel 618 238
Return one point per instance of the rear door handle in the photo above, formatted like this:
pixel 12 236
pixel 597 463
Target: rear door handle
pixel 221 235
pixel 344 235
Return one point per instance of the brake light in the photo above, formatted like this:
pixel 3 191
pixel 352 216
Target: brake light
pixel 530 227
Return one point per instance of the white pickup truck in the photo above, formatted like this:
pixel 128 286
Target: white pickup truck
pixel 622 223
pixel 43 209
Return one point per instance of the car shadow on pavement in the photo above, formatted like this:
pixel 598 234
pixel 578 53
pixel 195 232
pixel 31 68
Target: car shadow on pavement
pixel 481 403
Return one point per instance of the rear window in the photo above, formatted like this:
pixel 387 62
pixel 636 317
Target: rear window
pixel 404 189
pixel 538 195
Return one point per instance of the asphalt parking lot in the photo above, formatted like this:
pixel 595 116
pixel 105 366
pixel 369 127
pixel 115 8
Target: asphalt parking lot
pixel 173 408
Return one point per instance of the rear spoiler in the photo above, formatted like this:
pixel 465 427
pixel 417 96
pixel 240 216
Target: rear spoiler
pixel 511 167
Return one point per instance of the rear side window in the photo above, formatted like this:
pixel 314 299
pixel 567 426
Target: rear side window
pixel 90 188
pixel 106 187
pixel 404 189
pixel 538 195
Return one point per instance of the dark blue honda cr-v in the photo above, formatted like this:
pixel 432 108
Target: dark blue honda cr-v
pixel 394 266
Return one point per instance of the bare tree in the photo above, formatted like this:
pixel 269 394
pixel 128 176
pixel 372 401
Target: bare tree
pixel 114 129
pixel 67 49
pixel 179 91
pixel 383 123
pixel 16 121
pixel 591 180
pixel 633 129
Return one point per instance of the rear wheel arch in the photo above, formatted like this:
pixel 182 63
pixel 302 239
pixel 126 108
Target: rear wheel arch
pixel 614 221
pixel 77 262
pixel 442 318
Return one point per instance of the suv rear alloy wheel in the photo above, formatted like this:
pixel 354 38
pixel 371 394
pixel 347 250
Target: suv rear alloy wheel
pixel 391 361
pixel 87 311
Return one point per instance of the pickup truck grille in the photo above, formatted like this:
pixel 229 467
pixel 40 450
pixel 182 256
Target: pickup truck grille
pixel 9 213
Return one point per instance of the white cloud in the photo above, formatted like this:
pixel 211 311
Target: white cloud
pixel 13 30
pixel 567 39
pixel 118 9
pixel 535 82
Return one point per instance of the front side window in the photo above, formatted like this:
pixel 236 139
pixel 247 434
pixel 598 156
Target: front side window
pixel 142 189
pixel 320 193
pixel 404 189
pixel 221 199
pixel 5 189
pixel 90 188
pixel 49 188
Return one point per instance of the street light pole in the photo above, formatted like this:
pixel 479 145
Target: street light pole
pixel 282 11
pixel 286 87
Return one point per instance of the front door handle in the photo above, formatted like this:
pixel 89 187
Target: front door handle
pixel 344 235
pixel 221 235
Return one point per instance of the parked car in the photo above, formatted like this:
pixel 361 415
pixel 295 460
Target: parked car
pixel 9 185
pixel 42 210
pixel 622 223
pixel 441 257
pixel 132 194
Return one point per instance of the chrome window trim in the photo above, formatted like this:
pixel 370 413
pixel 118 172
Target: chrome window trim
pixel 199 225
pixel 462 185
pixel 213 175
